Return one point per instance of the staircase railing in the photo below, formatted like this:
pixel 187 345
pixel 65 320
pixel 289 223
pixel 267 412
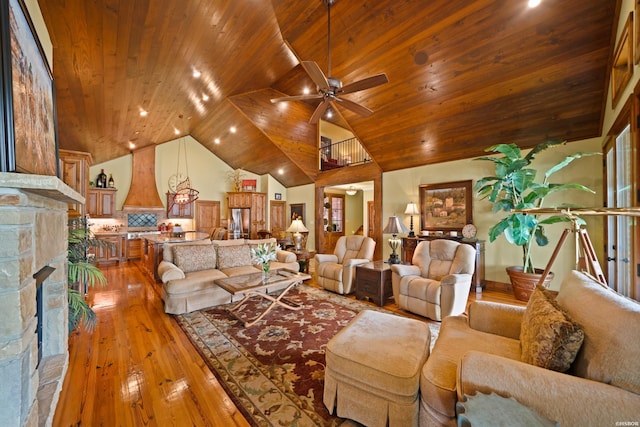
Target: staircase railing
pixel 343 153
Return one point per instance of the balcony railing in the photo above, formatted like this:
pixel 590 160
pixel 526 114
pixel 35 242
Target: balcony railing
pixel 344 153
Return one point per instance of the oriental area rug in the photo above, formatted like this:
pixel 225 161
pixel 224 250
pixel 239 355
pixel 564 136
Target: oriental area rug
pixel 274 370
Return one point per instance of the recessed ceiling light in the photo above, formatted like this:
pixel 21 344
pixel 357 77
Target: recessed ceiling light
pixel 205 97
pixel 217 140
pixel 329 114
pixel 534 3
pixel 143 113
pixel 131 145
pixel 196 73
pixel 176 131
pixel 232 129
pixel 280 171
pixel 305 91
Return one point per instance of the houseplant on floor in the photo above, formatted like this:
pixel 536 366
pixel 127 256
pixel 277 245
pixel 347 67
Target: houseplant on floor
pixel 514 187
pixel 82 273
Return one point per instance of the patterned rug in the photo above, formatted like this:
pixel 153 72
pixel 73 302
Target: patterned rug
pixel 274 370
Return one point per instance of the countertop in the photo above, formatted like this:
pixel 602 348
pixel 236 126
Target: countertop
pixel 189 236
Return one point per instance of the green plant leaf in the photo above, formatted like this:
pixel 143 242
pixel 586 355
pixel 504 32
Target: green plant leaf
pixel 570 158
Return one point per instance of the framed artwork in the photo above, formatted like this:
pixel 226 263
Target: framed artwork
pixel 446 206
pixel 297 212
pixel 278 196
pixel 325 148
pixel 29 138
pixel 622 62
pixel 249 184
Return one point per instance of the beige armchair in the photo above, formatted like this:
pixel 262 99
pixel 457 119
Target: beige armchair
pixel 437 283
pixel 336 272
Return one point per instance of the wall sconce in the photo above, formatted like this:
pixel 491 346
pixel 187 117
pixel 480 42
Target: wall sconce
pixel 412 210
pixel 394 226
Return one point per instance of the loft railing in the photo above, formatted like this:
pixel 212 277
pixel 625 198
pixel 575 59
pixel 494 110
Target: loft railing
pixel 340 154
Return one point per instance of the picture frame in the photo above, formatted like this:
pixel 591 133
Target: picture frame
pixel 249 185
pixel 297 211
pixel 325 148
pixel 278 196
pixel 446 206
pixel 623 61
pixel 29 139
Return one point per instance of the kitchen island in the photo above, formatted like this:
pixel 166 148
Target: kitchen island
pixel 152 245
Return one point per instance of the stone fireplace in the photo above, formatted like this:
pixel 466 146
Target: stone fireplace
pixel 33 236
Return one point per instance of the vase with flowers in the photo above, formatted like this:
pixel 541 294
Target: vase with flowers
pixel 263 254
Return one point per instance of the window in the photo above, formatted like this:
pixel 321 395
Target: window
pixel 334 212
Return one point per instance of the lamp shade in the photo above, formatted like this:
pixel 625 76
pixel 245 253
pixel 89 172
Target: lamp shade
pixel 395 226
pixel 412 209
pixel 297 226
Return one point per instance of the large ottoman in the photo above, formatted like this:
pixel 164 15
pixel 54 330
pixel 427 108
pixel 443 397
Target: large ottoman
pixel 373 369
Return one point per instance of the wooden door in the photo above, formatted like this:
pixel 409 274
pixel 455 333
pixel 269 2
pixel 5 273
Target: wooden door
pixel 207 215
pixel 371 217
pixel 258 213
pixel 277 217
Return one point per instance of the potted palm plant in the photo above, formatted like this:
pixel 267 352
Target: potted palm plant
pixel 514 187
pixel 82 272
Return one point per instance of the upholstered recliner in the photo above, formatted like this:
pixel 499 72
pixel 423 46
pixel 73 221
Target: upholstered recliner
pixel 437 283
pixel 336 272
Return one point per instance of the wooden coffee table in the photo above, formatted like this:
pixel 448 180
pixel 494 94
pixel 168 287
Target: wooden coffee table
pixel 251 285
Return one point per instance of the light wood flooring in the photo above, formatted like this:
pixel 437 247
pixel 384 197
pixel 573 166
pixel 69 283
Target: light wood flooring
pixel 139 369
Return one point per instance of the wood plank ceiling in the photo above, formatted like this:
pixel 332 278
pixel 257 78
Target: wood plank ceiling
pixel 464 75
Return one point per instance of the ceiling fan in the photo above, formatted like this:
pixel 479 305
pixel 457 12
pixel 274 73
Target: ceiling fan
pixel 330 88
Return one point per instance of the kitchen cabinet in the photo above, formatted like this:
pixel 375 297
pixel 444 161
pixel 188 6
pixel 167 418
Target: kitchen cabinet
pixel 114 251
pixel 409 246
pixel 178 210
pixel 134 249
pixel 74 168
pixel 246 203
pixel 101 202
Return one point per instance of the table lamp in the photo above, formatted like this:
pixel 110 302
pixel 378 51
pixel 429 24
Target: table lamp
pixel 394 226
pixel 412 210
pixel 296 228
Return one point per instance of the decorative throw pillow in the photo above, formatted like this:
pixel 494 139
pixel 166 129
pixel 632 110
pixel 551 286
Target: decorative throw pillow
pixel 548 337
pixel 233 256
pixel 194 257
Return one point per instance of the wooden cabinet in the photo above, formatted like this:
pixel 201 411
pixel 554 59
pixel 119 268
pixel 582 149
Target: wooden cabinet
pixel 114 251
pixel 409 246
pixel 207 215
pixel 178 210
pixel 151 257
pixel 255 204
pixel 134 249
pixel 74 168
pixel 101 202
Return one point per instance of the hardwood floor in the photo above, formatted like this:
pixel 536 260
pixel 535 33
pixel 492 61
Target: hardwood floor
pixel 139 369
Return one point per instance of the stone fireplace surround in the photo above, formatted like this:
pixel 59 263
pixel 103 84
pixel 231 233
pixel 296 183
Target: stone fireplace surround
pixel 33 234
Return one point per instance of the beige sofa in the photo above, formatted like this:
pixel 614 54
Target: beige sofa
pixel 482 353
pixel 188 271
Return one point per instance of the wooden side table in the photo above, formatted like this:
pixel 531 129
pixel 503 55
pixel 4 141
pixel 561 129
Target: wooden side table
pixel 373 282
pixel 303 258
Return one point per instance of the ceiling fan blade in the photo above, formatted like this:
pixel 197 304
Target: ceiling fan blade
pixel 296 98
pixel 356 108
pixel 316 74
pixel 369 82
pixel 319 111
